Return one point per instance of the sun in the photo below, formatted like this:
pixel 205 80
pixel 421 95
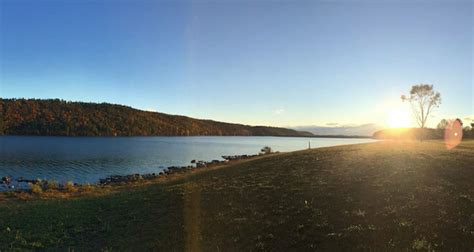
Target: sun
pixel 399 118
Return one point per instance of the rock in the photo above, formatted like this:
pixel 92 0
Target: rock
pixel 6 180
pixel 24 180
pixel 149 176
pixel 170 170
pixel 201 164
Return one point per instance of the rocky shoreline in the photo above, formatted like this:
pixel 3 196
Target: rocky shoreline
pixel 10 183
pixel 196 164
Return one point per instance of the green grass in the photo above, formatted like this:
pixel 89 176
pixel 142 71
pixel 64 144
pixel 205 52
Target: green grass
pixel 387 195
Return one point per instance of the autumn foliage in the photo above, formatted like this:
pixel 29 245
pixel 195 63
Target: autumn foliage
pixel 64 118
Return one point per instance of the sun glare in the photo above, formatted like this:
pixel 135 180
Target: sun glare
pixel 399 118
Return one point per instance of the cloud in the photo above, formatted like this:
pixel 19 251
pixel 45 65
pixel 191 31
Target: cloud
pixel 151 110
pixel 332 124
pixel 279 111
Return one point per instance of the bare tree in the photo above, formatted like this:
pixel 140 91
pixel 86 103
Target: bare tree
pixel 423 100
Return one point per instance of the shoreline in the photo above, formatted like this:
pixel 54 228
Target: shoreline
pixel 169 173
pixel 10 183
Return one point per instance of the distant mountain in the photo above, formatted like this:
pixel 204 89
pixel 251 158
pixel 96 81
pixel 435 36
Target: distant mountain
pixel 343 130
pixel 63 118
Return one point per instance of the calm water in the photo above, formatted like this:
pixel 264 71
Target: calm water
pixel 86 159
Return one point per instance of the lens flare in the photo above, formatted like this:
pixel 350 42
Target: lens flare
pixel 453 134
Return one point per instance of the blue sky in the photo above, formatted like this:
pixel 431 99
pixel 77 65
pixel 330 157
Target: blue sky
pixel 276 63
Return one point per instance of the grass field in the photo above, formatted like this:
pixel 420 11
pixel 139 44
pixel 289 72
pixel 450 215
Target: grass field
pixel 386 195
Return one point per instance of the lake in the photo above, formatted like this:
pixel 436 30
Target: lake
pixel 87 159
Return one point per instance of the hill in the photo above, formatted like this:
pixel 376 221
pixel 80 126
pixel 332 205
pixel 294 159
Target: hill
pixel 381 196
pixel 63 118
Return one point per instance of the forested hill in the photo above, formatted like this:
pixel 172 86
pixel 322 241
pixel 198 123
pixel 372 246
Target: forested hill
pixel 63 118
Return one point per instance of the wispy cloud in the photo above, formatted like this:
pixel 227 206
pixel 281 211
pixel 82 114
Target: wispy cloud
pixel 332 124
pixel 151 110
pixel 279 111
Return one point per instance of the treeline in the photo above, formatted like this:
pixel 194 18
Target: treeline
pixel 62 118
pixel 418 133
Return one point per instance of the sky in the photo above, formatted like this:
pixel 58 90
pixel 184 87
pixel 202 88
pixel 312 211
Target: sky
pixel 280 63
